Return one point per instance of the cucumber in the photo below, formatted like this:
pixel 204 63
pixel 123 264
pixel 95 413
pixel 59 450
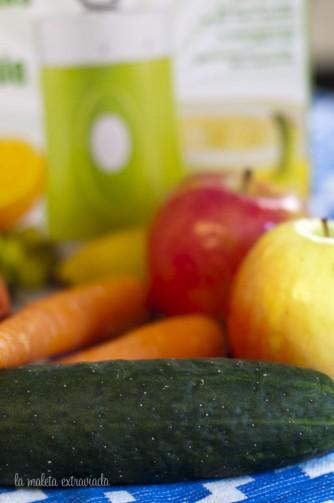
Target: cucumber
pixel 160 421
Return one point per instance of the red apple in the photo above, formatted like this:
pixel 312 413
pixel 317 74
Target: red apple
pixel 201 235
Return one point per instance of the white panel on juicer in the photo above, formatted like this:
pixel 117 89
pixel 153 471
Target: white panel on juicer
pixel 110 143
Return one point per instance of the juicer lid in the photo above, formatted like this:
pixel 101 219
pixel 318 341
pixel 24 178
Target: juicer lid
pixel 95 38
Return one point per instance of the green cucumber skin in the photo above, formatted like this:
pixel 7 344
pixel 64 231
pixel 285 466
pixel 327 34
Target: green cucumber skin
pixel 161 421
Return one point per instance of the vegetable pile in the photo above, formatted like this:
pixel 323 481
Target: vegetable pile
pixel 130 374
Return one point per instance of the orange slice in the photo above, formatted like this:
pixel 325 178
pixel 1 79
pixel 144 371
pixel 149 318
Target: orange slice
pixel 22 180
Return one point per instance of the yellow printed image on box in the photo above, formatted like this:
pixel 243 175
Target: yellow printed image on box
pixel 266 138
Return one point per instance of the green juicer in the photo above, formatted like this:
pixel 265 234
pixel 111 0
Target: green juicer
pixel 112 142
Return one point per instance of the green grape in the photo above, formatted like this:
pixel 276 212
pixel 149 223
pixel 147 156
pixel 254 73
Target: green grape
pixel 27 259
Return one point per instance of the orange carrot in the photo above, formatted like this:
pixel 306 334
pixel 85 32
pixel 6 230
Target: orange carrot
pixel 5 307
pixel 181 337
pixel 71 319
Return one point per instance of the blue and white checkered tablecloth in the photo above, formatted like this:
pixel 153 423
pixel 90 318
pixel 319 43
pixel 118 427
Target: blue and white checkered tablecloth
pixel 322 153
pixel 311 482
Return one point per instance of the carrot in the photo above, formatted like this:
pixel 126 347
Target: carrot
pixel 5 307
pixel 71 319
pixel 181 337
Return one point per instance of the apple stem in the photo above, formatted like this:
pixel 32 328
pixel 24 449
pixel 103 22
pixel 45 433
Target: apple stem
pixel 325 227
pixel 247 178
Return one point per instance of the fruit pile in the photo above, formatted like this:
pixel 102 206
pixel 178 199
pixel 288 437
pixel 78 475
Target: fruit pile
pixel 231 248
pixel 226 257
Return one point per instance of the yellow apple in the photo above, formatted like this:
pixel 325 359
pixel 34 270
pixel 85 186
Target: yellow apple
pixel 282 303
